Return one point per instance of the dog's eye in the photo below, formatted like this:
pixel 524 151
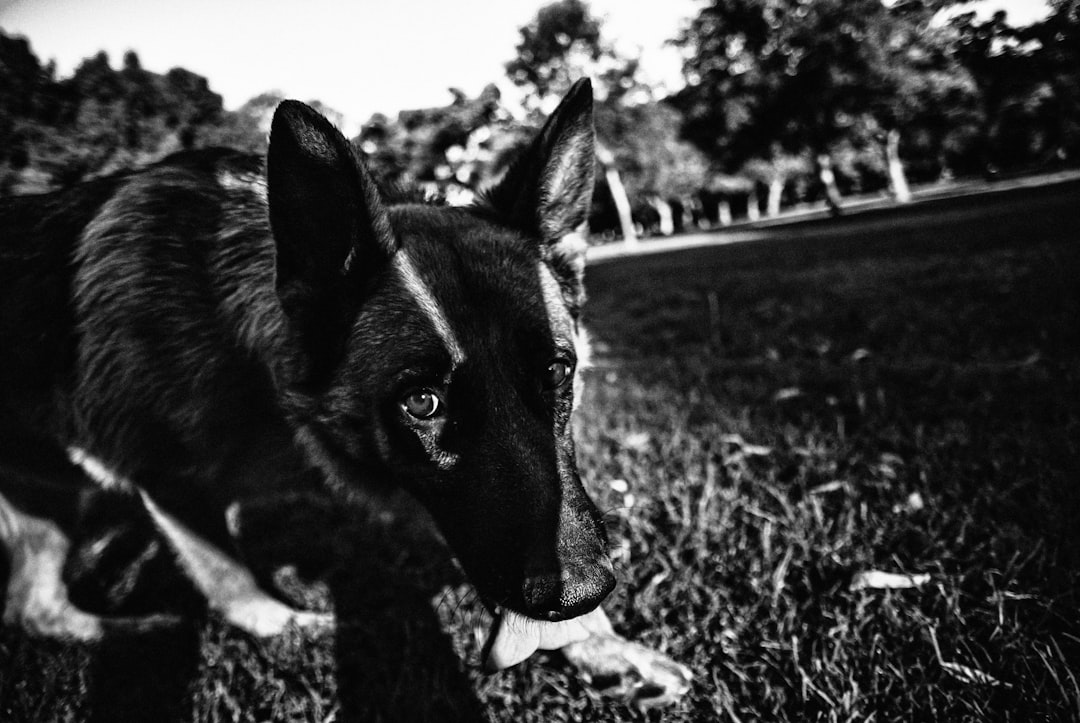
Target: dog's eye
pixel 556 374
pixel 422 403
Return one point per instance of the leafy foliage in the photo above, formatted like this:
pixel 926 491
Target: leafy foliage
pixel 769 79
pixel 637 134
pixel 772 86
pixel 56 132
pixel 450 150
pixel 562 41
pixel 1027 80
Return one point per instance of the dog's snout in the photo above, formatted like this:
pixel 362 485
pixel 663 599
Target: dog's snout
pixel 574 591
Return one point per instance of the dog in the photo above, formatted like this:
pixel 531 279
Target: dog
pixel 215 327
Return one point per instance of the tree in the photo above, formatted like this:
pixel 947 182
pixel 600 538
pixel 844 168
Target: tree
pixel 27 100
pixel 775 172
pixel 653 162
pixel 1056 54
pixel 556 49
pixel 561 45
pixel 927 95
pixel 637 141
pixel 802 76
pixel 1028 80
pixel 54 132
pixel 449 150
pixel 245 128
pixel 129 117
pixel 190 107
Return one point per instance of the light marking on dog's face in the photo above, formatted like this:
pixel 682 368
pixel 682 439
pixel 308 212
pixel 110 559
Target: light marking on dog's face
pixel 441 458
pixel 584 361
pixel 562 326
pixel 429 306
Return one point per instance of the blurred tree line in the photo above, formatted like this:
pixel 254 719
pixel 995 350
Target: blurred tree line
pixel 878 92
pixel 55 132
pixel 785 102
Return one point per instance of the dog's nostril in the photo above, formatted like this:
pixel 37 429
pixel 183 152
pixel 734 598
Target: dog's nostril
pixel 541 593
pixel 575 591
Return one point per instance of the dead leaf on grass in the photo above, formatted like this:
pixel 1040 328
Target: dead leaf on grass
pixel 963 673
pixel 787 393
pixel 967 674
pixel 750 450
pixel 833 486
pixel 913 503
pixel 879 580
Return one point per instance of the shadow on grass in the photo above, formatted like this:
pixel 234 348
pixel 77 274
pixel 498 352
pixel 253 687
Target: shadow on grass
pixel 143 677
pixel 394 661
pixel 383 566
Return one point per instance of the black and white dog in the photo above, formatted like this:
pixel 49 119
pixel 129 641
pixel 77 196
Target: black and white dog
pixel 210 329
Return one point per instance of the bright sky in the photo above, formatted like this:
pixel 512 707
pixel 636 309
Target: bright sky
pixel 357 56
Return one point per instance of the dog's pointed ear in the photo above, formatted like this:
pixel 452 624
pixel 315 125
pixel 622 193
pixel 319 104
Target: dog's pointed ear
pixel 548 191
pixel 330 228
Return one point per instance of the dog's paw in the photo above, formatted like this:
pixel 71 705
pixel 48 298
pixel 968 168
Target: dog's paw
pixel 617 667
pixel 55 622
pixel 265 617
pixel 313 622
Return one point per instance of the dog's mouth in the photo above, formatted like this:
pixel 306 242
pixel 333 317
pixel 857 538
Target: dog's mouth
pixel 513 637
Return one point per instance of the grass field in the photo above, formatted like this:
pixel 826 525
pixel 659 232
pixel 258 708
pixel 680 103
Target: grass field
pixel 897 391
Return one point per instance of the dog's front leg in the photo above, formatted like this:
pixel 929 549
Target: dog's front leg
pixel 618 667
pixel 36 597
pixel 229 587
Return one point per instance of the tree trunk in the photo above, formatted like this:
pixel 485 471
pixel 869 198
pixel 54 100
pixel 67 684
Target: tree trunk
pixel 618 193
pixel 689 217
pixel 723 212
pixel 776 190
pixel 753 209
pixel 828 180
pixel 897 178
pixel 667 218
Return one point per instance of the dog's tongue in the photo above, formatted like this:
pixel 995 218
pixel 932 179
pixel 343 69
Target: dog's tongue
pixel 514 637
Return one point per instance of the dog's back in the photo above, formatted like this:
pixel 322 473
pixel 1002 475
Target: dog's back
pixel 36 314
pixel 139 318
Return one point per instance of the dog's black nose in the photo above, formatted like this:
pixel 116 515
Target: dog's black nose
pixel 574 591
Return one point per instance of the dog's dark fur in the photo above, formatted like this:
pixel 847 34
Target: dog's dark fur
pixel 208 330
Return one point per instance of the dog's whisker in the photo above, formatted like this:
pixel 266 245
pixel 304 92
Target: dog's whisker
pixel 462 601
pixel 444 599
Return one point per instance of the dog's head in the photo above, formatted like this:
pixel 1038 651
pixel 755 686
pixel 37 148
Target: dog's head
pixel 440 348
